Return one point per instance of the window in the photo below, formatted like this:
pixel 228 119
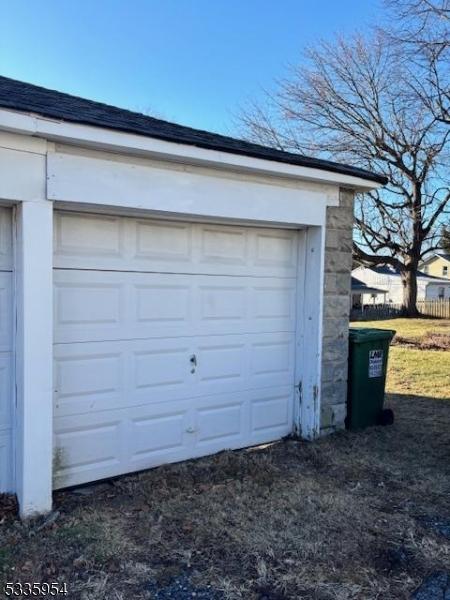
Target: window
pixel 445 271
pixel 441 293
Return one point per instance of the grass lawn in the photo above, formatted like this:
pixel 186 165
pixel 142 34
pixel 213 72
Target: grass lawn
pixel 357 515
pixel 422 372
pixel 412 369
pixel 414 329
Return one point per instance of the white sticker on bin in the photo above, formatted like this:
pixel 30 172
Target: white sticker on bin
pixel 375 363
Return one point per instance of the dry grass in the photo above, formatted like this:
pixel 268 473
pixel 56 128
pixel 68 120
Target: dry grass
pixel 340 518
pixel 419 359
pixel 424 372
pixel 412 330
pixel 346 517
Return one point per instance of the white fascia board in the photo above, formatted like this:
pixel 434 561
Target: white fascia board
pixel 79 179
pixel 116 141
pixel 23 143
pixel 436 255
pixel 22 175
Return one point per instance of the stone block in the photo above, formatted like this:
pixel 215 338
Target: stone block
pixel 333 416
pixel 334 392
pixel 336 308
pixel 335 327
pixel 339 218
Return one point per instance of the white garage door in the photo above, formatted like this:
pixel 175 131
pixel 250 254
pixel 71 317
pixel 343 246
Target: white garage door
pixel 6 352
pixel 172 340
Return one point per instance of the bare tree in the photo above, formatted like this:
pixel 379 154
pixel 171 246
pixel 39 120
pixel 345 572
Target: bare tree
pixel 445 239
pixel 348 103
pixel 422 30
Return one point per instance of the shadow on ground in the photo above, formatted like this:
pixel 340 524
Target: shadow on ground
pixel 355 515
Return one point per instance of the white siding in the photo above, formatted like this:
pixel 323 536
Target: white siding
pixel 392 284
pixel 433 291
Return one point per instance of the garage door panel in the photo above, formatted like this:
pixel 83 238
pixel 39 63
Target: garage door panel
pixel 271 411
pixel 276 250
pixel 155 433
pixel 219 302
pixel 224 246
pixel 123 440
pixel 158 370
pixel 162 304
pixel 6 254
pixel 6 320
pixel 247 305
pixel 99 376
pixel 128 244
pixel 246 408
pixel 88 378
pixel 88 445
pixel 159 433
pixel 94 446
pixel 6 461
pixel 88 304
pixel 220 360
pixel 98 305
pixel 223 423
pixel 165 242
pixel 92 239
pixel 245 362
pixel 172 341
pixel 109 443
pixel 275 303
pixel 6 390
pixel 272 360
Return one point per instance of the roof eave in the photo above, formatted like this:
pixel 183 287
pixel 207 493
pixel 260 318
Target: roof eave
pixel 433 256
pixel 131 143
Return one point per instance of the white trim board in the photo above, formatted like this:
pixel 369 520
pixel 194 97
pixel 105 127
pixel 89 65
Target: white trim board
pixel 127 143
pixel 81 179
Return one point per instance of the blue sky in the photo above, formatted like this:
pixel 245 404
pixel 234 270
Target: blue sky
pixel 190 61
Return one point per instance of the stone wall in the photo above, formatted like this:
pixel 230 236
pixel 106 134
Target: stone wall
pixel 338 264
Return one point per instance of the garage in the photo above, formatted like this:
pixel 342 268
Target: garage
pixel 6 351
pixel 172 340
pixel 165 293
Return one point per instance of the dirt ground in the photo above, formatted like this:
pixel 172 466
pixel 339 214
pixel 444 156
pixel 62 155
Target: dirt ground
pixel 356 515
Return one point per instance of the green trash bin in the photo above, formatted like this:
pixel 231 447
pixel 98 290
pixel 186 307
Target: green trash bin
pixel 367 366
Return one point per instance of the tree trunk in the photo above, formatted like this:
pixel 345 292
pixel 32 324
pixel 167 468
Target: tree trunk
pixel 409 282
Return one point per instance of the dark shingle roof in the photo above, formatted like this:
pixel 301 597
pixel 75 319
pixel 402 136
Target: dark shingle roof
pixel 25 97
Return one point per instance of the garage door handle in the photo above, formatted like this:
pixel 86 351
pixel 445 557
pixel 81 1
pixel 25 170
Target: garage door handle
pixel 193 360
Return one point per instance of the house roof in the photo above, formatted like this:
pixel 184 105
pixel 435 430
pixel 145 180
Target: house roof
pixel 26 97
pixel 444 255
pixel 360 287
pixel 388 270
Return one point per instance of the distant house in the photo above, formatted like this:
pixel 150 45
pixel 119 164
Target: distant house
pixel 388 278
pixel 438 265
pixel 362 294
